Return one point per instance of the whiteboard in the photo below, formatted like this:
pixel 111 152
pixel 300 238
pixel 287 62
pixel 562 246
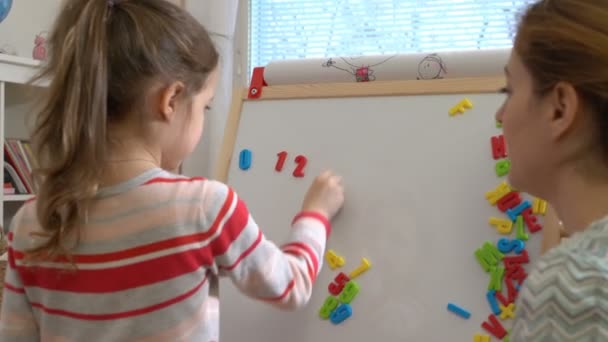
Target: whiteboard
pixel 415 180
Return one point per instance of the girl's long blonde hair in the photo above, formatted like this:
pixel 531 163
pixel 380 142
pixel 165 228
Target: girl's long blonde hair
pixel 103 57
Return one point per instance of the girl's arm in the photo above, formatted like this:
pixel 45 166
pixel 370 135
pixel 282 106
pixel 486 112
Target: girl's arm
pixel 280 275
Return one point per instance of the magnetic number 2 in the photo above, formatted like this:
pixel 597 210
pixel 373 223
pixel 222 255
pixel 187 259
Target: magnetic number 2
pixel 299 171
pixel 281 161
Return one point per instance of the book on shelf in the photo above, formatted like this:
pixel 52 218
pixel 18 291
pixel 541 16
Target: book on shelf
pixel 19 162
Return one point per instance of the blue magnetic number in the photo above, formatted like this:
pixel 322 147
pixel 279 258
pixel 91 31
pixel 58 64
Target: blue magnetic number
pixel 245 159
pixel 341 313
pixel 459 311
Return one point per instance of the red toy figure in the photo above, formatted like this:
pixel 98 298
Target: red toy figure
pixel 362 74
pixel 40 47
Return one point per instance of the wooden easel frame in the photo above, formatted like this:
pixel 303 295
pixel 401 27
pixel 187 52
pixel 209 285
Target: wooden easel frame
pixel 333 90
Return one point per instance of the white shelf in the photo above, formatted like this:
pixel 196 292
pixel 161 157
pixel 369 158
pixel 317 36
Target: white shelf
pixel 18 60
pixel 15 69
pixel 17 198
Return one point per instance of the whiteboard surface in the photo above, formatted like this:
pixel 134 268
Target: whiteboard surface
pixel 415 180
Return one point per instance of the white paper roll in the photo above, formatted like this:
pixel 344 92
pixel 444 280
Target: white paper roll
pixel 452 64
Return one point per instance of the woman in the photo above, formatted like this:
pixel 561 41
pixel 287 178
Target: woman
pixel 555 122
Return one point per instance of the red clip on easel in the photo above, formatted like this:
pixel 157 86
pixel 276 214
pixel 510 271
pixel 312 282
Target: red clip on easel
pixel 257 83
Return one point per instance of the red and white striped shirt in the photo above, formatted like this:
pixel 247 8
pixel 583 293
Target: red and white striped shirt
pixel 147 263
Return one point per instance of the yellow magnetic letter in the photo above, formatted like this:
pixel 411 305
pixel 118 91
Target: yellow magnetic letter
pixel 539 206
pixel 334 260
pixel 481 338
pixel 503 226
pixel 494 195
pixel 508 311
pixel 365 265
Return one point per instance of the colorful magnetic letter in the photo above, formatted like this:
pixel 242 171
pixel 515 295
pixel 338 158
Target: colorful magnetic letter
pixel 520 234
pixel 508 201
pixel 539 206
pixel 507 246
pixel 334 260
pixel 502 167
pixel 501 298
pixel 511 291
pixel 511 261
pixel 494 195
pixel 349 292
pixel 460 107
pixel 514 212
pixel 498 147
pixel 496 275
pixel 343 312
pixel 517 273
pixel 365 265
pixel 494 327
pixel 459 311
pixel 338 284
pixel 329 305
pixel 491 297
pixel 503 226
pixel 531 221
pixel 488 256
pixel 507 312
pixel 245 159
pixel 481 338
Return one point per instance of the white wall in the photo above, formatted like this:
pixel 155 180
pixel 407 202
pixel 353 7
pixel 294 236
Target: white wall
pixel 26 19
pixel 229 32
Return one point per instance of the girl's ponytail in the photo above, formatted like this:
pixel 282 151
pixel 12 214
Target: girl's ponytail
pixel 70 133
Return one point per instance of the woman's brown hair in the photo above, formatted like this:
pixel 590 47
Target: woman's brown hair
pixel 104 57
pixel 567 40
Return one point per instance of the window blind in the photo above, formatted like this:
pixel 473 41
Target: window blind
pixel 295 29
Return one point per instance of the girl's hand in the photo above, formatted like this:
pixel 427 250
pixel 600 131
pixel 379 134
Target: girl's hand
pixel 325 195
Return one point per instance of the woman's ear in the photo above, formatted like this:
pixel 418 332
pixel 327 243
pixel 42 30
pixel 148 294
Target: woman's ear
pixel 169 100
pixel 565 104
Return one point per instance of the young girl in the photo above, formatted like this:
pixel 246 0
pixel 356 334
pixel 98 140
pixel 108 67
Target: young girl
pixel 115 248
pixel 555 122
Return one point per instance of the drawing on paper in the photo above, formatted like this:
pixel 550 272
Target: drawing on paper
pixel 361 72
pixel 431 67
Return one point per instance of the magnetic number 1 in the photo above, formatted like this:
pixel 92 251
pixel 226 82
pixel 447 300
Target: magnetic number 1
pixel 281 161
